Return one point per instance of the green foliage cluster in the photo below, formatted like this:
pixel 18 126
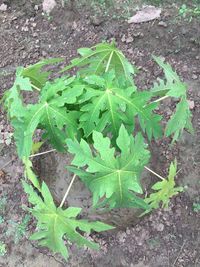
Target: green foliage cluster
pixel 165 189
pixel 56 224
pixel 167 2
pixel 3 249
pixel 3 202
pixel 18 229
pixel 108 173
pixel 189 12
pixel 94 115
pixel 196 207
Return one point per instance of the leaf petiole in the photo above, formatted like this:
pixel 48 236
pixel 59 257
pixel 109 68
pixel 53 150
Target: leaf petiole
pixel 157 100
pixel 160 99
pixel 67 192
pixel 156 174
pixel 42 153
pixel 35 87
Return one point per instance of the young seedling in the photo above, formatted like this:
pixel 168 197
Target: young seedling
pixel 93 115
pixel 3 249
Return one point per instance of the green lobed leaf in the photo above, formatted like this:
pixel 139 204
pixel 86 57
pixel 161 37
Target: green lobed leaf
pixel 54 89
pixel 55 225
pixel 28 173
pixel 115 177
pixel 173 86
pixel 102 58
pixel 34 72
pixel 108 107
pixel 12 99
pixel 53 119
pixel 25 127
pixel 23 82
pixel 180 120
pixel 165 190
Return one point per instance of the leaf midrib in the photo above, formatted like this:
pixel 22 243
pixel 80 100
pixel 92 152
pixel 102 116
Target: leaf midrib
pixel 64 117
pixel 133 105
pixel 86 57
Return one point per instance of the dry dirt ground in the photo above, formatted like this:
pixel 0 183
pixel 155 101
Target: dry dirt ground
pixel 164 238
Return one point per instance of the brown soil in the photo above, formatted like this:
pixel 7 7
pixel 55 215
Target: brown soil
pixel 164 238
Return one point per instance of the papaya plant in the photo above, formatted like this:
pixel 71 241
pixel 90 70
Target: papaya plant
pixel 99 116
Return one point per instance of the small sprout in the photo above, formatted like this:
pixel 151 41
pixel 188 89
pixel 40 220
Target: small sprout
pixel 3 203
pixel 3 249
pixel 18 229
pixel 196 207
pixel 1 219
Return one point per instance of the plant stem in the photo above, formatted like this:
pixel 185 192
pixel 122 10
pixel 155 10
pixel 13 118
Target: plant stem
pixel 67 192
pixel 35 87
pixel 42 153
pixel 156 174
pixel 157 100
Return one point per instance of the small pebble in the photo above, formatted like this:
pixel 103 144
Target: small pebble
pixel 24 29
pixel 129 40
pixel 191 104
pixel 36 7
pixel 123 39
pixel 163 24
pixel 185 68
pixel 130 50
pixel 194 77
pixel 3 7
pixel 96 21
pixel 160 227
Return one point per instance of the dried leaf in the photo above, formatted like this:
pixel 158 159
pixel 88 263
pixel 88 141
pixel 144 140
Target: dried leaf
pixel 148 13
pixel 48 5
